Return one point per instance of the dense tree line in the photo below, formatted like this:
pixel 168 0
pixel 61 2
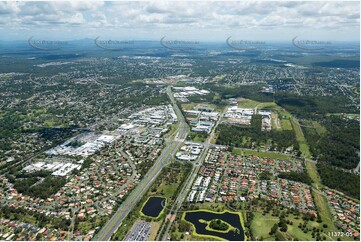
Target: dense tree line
pixel 16 173
pixel 22 185
pixel 41 219
pixel 201 98
pixel 235 136
pixel 295 176
pixel 252 92
pixel 45 189
pixel 256 122
pixel 265 175
pixel 304 106
pixel 337 179
pixel 339 145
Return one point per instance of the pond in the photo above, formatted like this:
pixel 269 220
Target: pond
pixel 197 218
pixel 153 207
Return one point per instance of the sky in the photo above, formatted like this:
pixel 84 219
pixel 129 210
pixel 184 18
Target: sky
pixel 202 21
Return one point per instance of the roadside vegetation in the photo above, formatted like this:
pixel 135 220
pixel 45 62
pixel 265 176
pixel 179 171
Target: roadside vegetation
pixel 168 184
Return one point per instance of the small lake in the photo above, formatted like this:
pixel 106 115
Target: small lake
pixel 231 218
pixel 153 206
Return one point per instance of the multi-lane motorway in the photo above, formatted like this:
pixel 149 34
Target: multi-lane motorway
pixel 183 126
pixel 168 153
pixel 178 203
pixel 176 206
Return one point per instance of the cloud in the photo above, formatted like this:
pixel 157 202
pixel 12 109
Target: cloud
pixel 9 8
pixel 197 17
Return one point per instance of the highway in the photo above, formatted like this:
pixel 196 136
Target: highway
pixel 167 154
pixel 183 126
pixel 178 203
pixel 182 195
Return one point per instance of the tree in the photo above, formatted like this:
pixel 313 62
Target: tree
pixel 283 227
pixel 273 229
pixel 218 224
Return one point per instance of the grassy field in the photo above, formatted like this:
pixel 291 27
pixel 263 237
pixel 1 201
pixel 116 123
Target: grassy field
pixel 214 138
pixel 247 103
pixel 319 128
pixel 261 226
pixel 282 113
pixel 196 137
pixel 272 155
pixel 300 138
pixel 325 213
pixel 212 206
pixel 316 126
pixel 286 124
pixel 188 106
pixel 312 172
pixel 191 105
pixel 153 231
pixel 321 202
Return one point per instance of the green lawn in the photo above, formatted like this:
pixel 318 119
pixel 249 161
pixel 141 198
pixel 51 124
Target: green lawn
pixel 282 113
pixel 314 125
pixel 312 172
pixel 273 123
pixel 295 232
pixel 261 226
pixel 321 202
pixel 154 230
pixel 168 190
pixel 188 106
pixel 286 124
pixel 196 137
pixel 247 103
pixel 319 128
pixel 191 105
pixel 300 138
pixel 272 155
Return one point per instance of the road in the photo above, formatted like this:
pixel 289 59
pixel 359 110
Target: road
pixel 183 126
pixel 167 154
pixel 182 195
